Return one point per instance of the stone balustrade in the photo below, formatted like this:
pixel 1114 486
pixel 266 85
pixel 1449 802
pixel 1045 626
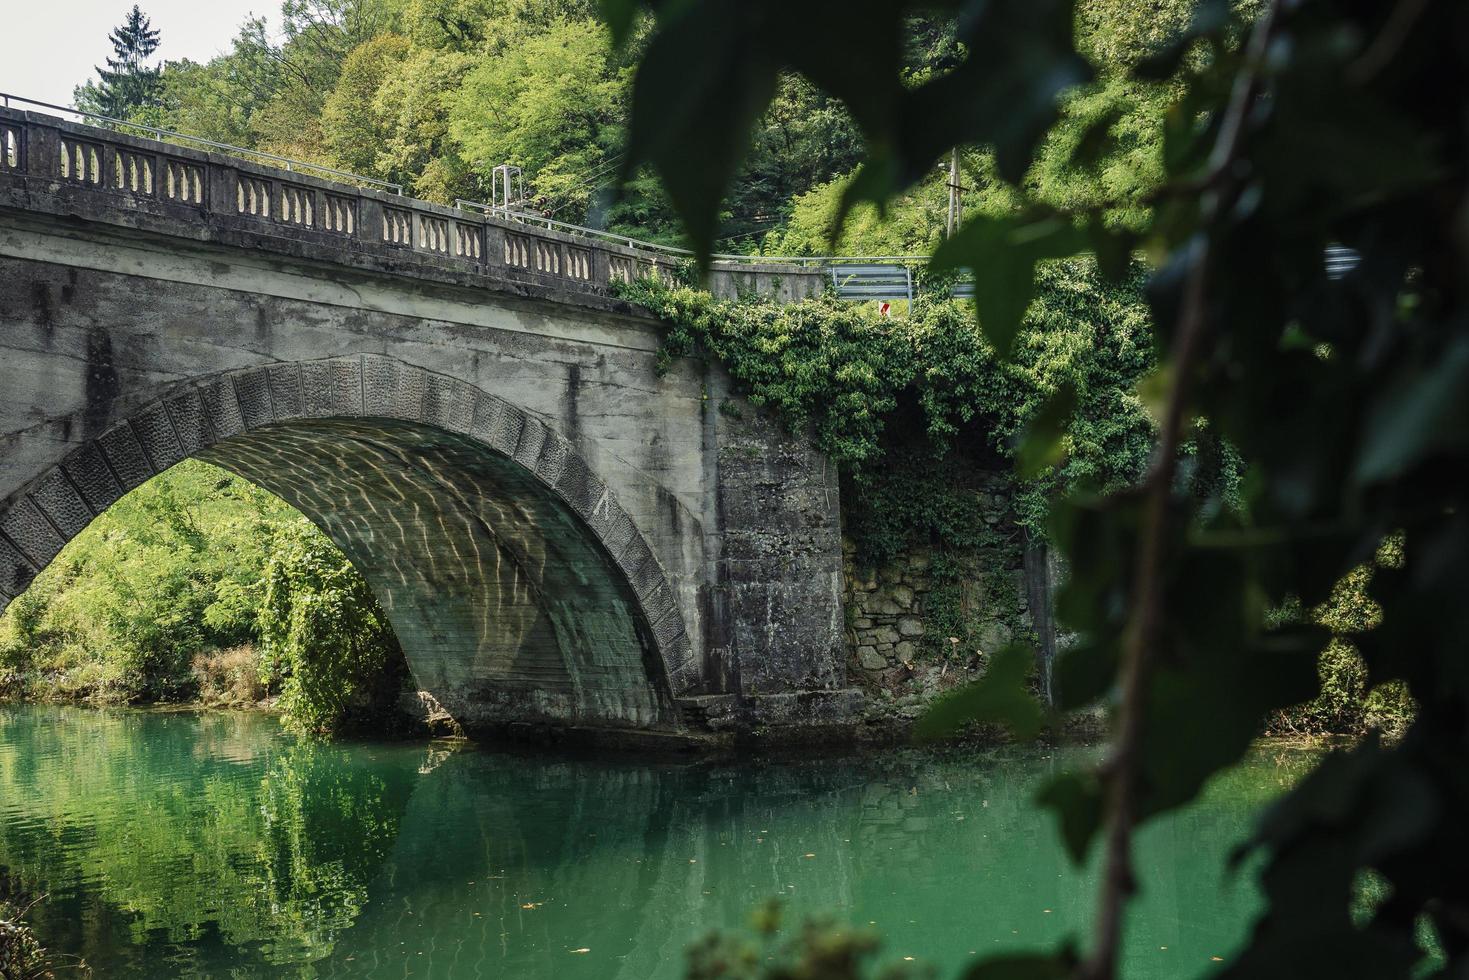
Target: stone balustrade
pixel 47 163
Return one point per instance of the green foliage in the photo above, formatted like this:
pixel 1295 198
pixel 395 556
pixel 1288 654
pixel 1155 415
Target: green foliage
pixel 22 957
pixel 322 632
pixel 433 94
pixel 695 141
pixel 170 571
pixel 184 578
pixel 550 102
pixel 1315 124
pixel 354 125
pixel 1347 704
pixel 849 373
pixel 911 225
pixel 1001 696
pixel 914 408
pixel 294 837
pixel 822 950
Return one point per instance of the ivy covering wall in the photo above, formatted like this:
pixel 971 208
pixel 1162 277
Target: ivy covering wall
pixel 937 507
pixel 923 418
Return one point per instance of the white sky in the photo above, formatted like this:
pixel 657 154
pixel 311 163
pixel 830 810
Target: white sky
pixel 49 46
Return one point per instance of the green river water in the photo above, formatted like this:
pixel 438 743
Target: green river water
pixel 210 844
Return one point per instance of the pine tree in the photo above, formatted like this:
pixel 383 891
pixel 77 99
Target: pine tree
pixel 126 84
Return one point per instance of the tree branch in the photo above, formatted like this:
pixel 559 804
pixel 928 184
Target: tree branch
pixel 1143 633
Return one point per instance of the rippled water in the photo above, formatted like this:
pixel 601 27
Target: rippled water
pixel 186 844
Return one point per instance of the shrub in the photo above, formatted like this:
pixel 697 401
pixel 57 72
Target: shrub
pixel 229 676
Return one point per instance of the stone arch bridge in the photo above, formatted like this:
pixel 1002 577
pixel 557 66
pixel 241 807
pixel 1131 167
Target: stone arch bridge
pixel 559 535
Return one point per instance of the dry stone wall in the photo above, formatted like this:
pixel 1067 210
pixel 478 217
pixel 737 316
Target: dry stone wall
pixel 930 618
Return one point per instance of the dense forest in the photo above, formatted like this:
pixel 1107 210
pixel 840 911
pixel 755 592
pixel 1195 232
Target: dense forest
pixel 434 94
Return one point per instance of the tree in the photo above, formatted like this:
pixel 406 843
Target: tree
pixel 1301 126
pixel 127 84
pixel 352 124
pixel 550 102
pixel 323 634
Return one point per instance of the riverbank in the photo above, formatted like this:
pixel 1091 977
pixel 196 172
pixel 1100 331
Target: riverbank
pixel 22 957
pixel 228 678
pixel 885 723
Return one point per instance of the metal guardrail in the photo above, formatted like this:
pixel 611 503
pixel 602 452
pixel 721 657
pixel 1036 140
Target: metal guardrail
pixel 166 134
pixel 530 218
pixel 872 280
pixel 1341 260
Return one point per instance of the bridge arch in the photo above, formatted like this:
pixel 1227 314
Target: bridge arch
pixel 520 589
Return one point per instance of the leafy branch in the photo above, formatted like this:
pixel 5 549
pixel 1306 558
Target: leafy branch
pixel 1159 523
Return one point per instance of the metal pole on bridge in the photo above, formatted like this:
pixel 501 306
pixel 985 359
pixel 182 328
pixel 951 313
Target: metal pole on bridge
pixel 955 189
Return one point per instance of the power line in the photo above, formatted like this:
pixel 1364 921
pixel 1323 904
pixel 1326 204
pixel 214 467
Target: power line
pixel 596 174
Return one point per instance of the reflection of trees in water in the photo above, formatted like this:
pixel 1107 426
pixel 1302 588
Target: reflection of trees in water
pixel 199 835
pixel 226 848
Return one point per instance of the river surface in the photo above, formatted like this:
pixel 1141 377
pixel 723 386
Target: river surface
pixel 211 844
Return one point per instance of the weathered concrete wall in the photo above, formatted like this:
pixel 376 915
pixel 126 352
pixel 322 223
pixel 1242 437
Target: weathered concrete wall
pixel 556 532
pixel 783 283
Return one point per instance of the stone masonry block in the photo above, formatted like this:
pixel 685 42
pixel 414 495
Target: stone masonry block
pixel 319 395
pixel 617 531
pixel 409 386
pixel 683 677
pixel 379 383
pixel 346 375
pixel 15 572
pixel 31 532
pixel 60 501
pixel 658 603
pixel 253 390
pixel 528 448
pixel 555 451
pixel 507 432
pixel 486 419
pixel 667 632
pixel 679 654
pixel 89 472
pixel 186 409
pixel 155 431
pixel 222 407
pixel 580 486
pixel 125 456
pixel 641 568
pixel 286 399
pixel 448 404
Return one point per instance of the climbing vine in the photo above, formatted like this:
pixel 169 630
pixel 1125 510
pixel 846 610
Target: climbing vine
pixel 930 383
pixel 920 413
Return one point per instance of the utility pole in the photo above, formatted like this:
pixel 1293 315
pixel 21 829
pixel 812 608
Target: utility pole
pixel 956 205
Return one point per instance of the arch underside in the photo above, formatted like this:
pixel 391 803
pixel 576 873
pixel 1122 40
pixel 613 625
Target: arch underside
pixel 506 610
pixel 519 588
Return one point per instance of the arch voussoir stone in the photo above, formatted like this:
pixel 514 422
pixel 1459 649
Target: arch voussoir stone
pixel 222 408
pixel 16 572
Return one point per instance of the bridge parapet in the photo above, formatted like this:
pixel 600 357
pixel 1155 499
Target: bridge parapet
pixel 52 165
